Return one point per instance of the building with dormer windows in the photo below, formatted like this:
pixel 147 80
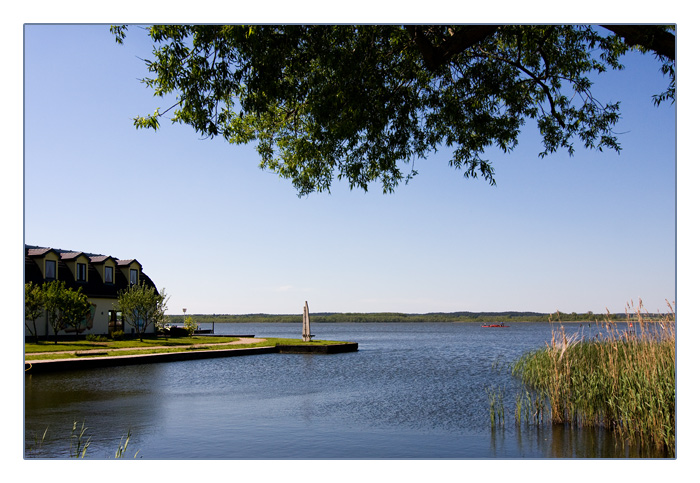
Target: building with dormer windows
pixel 100 278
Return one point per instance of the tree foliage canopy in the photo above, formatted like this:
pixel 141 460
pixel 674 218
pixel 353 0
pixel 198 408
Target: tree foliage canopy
pixel 362 103
pixel 65 307
pixel 142 306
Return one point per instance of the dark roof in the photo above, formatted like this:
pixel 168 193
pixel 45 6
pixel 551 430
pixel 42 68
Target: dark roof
pixel 94 287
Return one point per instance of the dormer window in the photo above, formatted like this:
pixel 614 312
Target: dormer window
pixel 109 274
pixel 50 269
pixel 133 276
pixel 81 272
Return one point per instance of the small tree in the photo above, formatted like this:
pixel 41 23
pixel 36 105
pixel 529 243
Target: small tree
pixel 142 306
pixel 64 306
pixel 33 306
pixel 190 325
pixel 54 303
pixel 75 309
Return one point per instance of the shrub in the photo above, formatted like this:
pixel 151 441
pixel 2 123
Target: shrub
pixel 96 338
pixel 178 332
pixel 118 335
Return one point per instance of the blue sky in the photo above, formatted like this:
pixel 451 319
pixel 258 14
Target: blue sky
pixel 589 232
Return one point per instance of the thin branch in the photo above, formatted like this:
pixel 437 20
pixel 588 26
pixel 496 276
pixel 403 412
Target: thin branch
pixel 537 79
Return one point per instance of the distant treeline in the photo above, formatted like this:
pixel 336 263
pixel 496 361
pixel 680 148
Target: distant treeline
pixel 322 317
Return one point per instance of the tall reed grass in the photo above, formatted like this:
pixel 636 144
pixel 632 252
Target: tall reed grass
pixel 623 378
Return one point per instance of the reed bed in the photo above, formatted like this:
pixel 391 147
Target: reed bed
pixel 623 378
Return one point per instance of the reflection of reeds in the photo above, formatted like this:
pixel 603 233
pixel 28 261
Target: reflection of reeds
pixel 622 379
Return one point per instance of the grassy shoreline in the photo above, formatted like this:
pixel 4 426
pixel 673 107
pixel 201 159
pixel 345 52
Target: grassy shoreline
pixel 82 349
pixel 84 344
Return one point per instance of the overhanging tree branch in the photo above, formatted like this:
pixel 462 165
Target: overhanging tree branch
pixel 358 100
pixel 461 39
pixel 650 37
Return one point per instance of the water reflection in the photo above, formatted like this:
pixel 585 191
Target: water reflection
pixel 564 441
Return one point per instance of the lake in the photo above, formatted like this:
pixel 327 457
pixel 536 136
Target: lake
pixel 412 391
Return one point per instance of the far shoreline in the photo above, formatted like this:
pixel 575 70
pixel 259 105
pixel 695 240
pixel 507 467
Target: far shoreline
pixel 456 317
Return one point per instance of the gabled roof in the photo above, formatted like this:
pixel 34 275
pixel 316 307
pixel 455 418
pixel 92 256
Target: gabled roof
pixel 39 251
pixel 71 255
pixel 97 259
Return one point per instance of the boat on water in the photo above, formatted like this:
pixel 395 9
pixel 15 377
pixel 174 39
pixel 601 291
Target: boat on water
pixel 496 325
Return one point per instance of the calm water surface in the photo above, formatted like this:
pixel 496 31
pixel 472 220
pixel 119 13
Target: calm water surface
pixel 415 390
